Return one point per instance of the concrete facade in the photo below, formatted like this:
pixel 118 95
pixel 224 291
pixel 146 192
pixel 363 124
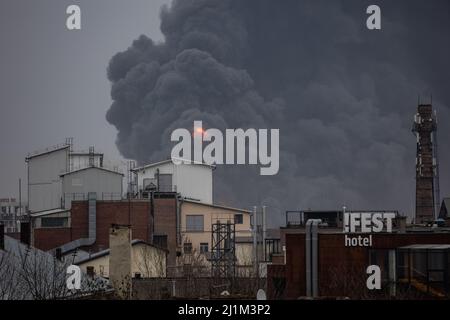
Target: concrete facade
pixel 77 184
pixel 120 260
pixel 194 181
pixel 147 261
pixel 136 213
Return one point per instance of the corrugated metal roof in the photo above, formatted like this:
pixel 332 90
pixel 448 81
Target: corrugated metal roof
pixel 48 212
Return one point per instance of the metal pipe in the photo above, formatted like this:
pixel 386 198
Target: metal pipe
pixel 264 230
pixel 311 257
pixel 255 244
pixel 92 227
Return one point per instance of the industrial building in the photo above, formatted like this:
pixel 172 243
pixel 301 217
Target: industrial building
pixel 57 175
pixel 169 206
pixel 193 181
pixel 329 268
pixel 12 212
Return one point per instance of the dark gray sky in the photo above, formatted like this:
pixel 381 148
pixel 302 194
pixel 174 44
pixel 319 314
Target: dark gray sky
pixel 342 96
pixel 53 81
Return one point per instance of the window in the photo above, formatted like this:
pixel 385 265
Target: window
pixel 187 247
pixel 165 182
pixel 204 247
pixel 194 223
pixel 53 222
pixel 238 218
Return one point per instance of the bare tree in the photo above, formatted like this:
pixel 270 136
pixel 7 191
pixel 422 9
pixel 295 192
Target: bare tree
pixel 151 262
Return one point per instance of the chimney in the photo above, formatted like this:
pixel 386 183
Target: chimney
pixel 424 128
pixel 25 233
pixel 90 271
pixel 120 260
pixel 2 237
pixel 401 224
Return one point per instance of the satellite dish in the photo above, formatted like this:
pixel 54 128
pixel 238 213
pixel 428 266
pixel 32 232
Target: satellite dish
pixel 261 295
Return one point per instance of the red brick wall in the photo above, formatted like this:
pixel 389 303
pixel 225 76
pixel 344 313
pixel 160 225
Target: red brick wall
pixel 337 262
pixel 295 265
pixel 165 224
pixel 47 239
pixel 136 213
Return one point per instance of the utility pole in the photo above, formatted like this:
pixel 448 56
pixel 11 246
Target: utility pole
pixel 264 231
pixel 255 242
pixel 20 205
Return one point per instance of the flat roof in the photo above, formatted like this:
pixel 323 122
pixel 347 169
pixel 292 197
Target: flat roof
pixel 155 164
pixel 106 251
pixel 216 206
pixel 48 212
pixel 426 247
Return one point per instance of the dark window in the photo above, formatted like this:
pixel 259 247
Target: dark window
pixel 239 218
pixel 204 247
pixel 165 183
pixel 187 247
pixel 194 223
pixel 53 222
pixel 160 241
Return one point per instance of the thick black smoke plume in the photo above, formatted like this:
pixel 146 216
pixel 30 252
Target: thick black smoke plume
pixel 342 96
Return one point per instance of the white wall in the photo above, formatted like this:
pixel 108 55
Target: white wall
pixel 92 180
pixel 191 181
pixel 147 260
pixel 44 183
pixel 80 161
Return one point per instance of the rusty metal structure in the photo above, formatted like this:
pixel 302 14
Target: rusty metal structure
pixel 427 167
pixel 223 250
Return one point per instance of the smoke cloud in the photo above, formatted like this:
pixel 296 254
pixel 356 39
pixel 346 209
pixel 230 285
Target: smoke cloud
pixel 342 96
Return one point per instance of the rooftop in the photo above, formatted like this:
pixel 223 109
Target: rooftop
pixel 155 164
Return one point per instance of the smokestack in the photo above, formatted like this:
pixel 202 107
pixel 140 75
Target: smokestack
pixel 2 237
pixel 401 224
pixel 424 127
pixel 120 260
pixel 25 233
pixel 90 271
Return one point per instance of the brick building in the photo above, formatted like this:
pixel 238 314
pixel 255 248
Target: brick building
pixel 341 270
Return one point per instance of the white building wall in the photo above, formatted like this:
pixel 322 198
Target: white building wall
pixel 80 161
pixel 195 181
pixel 44 183
pixel 191 181
pixel 77 185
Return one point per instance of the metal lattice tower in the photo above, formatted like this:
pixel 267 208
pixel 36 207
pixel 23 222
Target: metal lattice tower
pixel 425 128
pixel 223 250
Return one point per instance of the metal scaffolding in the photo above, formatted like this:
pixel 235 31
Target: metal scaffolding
pixel 223 250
